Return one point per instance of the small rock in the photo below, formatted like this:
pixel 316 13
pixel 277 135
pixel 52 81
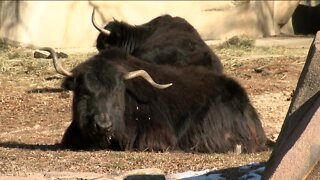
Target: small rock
pixel 39 55
pixel 36 126
pixel 258 69
pixel 60 55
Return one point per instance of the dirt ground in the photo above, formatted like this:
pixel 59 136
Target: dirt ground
pixel 34 112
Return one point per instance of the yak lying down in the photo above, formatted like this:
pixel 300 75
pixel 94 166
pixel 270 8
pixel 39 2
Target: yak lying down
pixel 163 40
pixel 116 105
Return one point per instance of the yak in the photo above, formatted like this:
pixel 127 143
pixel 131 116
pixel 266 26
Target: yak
pixel 118 106
pixel 163 40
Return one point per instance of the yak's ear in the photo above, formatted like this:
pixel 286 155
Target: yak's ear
pixel 68 83
pixel 140 90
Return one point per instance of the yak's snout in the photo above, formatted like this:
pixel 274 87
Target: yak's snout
pixel 99 123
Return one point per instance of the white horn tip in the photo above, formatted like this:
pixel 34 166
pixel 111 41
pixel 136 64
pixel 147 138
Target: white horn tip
pixel 166 85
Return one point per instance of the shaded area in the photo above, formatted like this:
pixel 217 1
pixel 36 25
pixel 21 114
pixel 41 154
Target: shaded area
pixel 306 19
pixel 46 90
pixel 53 78
pixel 42 147
pixel 246 172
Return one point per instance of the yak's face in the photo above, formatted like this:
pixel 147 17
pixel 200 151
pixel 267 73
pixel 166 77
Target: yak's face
pixel 98 104
pixel 124 36
pixel 117 35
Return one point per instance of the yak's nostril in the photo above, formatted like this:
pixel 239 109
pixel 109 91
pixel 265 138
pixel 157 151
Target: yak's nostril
pixel 93 121
pixel 99 122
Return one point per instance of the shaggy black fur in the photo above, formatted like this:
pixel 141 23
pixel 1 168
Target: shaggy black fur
pixel 201 112
pixel 163 40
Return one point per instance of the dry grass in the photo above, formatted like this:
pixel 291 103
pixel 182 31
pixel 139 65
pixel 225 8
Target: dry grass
pixel 239 42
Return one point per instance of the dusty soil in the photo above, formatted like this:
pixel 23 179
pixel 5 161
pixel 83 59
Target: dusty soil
pixel 34 113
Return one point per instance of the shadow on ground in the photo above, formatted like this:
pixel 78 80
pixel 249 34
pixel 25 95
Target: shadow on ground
pixel 42 147
pixel 46 90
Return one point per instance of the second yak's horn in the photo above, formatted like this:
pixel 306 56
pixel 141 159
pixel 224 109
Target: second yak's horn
pixel 103 31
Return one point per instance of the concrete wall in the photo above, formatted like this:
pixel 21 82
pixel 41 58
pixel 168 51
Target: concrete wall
pixel 54 23
pixel 68 23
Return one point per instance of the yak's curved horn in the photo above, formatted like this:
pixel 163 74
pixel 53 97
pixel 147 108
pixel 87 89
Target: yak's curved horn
pixel 56 63
pixel 103 31
pixel 146 76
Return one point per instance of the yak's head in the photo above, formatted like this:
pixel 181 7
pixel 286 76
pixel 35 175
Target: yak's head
pixel 98 87
pixel 121 35
pixel 98 102
pixel 116 37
